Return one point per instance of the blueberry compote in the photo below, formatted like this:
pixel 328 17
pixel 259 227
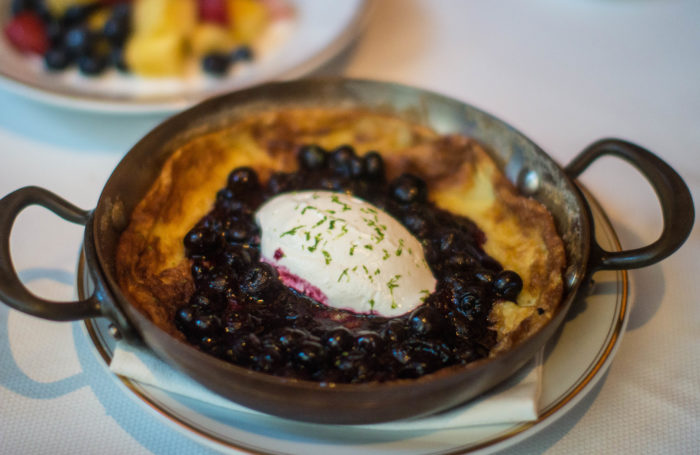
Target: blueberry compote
pixel 242 313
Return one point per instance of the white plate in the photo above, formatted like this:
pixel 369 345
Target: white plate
pixel 575 360
pixel 318 31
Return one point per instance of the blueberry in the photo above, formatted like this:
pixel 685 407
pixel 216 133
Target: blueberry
pixel 342 160
pixel 92 65
pixel 239 232
pixel 425 321
pixel 78 40
pixel 394 331
pixel 373 166
pixel 184 318
pixel 290 338
pixel 279 182
pixel 416 223
pixel 244 349
pixel 236 258
pixel 243 179
pixel 76 14
pixel 485 276
pixel 259 280
pixel 55 32
pixel 241 54
pixel 216 64
pixel 116 29
pixel 471 302
pixel 409 189
pixel 199 240
pixel 269 358
pixel 207 324
pixel 508 284
pixel 23 5
pixel 369 341
pixel 339 339
pixel 57 58
pixel 117 59
pixel 312 157
pixel 309 355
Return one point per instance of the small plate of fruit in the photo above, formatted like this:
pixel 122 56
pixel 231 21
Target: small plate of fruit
pixel 163 55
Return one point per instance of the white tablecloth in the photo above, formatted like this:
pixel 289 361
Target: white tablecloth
pixel 563 72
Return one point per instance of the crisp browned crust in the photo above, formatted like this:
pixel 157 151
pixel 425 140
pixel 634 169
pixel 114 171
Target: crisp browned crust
pixel 154 273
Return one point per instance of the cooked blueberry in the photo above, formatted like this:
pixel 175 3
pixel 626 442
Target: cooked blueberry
pixel 339 339
pixel 245 349
pixel 408 189
pixel 290 338
pixel 394 331
pixel 236 257
pixel 243 179
pixel 92 65
pixel 241 54
pixel 485 276
pixel 370 342
pixel 184 317
pixel 239 232
pixel 216 64
pixel 508 284
pixel 312 157
pixel 259 280
pixel 207 324
pixel 342 160
pixel 199 240
pixel 57 58
pixel 309 354
pixel 269 358
pixel 471 302
pixel 416 223
pixel 373 166
pixel 425 321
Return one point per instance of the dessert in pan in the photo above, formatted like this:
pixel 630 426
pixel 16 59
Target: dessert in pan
pixel 340 246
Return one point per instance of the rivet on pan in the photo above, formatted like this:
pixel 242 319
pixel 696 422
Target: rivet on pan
pixel 114 331
pixel 528 181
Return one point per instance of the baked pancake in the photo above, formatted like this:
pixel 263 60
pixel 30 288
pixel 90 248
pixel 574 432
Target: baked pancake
pixel 158 271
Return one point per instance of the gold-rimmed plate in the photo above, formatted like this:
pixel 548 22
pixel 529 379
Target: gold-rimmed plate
pixel 315 33
pixel 593 331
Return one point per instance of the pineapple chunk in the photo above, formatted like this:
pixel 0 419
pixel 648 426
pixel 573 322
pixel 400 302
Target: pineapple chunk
pixel 209 37
pixel 154 55
pixel 164 16
pixel 58 7
pixel 247 19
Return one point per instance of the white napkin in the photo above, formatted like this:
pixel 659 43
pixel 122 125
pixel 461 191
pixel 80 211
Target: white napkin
pixel 513 401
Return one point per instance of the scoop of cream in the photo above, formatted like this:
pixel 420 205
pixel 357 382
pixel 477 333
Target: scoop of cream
pixel 344 252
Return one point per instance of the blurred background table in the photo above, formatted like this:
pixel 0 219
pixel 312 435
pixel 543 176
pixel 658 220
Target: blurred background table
pixel 565 73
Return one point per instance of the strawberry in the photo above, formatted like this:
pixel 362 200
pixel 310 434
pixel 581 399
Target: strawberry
pixel 213 11
pixel 27 33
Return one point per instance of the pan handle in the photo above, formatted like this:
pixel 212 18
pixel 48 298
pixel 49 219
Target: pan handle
pixel 674 197
pixel 12 291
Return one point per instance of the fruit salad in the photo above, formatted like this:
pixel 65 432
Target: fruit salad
pixel 149 38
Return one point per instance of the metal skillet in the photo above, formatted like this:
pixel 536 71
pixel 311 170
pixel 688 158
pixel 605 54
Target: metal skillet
pixel 529 168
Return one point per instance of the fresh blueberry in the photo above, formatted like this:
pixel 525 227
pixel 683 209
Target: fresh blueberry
pixel 508 284
pixel 57 58
pixel 409 189
pixel 241 54
pixel 92 65
pixel 216 64
pixel 312 157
